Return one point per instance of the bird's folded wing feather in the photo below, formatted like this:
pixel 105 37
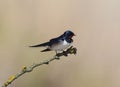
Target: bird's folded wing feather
pixel 40 45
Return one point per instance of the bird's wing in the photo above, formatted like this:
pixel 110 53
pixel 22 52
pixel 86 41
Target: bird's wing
pixel 55 41
pixel 49 43
pixel 40 45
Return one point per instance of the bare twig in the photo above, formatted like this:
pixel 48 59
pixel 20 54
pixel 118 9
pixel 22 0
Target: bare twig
pixel 25 69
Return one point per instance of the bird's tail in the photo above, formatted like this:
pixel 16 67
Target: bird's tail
pixel 46 50
pixel 40 45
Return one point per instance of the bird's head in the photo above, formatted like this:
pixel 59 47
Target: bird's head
pixel 69 34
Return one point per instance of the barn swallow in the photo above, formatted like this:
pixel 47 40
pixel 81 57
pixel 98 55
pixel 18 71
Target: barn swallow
pixel 58 44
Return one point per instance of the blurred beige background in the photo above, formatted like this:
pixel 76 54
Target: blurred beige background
pixel 96 24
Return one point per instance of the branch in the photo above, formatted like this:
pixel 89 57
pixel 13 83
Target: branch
pixel 25 69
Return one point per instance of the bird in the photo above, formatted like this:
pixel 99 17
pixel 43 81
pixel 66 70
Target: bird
pixel 59 43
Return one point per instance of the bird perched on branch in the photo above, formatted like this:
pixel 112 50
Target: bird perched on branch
pixel 58 44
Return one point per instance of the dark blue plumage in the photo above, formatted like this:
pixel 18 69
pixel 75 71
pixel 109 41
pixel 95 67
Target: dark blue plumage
pixel 58 44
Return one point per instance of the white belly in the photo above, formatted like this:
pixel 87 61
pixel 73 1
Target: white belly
pixel 61 46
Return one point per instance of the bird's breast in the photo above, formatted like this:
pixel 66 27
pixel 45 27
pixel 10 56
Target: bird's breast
pixel 61 45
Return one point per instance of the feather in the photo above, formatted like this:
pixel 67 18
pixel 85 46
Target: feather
pixel 46 50
pixel 40 45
